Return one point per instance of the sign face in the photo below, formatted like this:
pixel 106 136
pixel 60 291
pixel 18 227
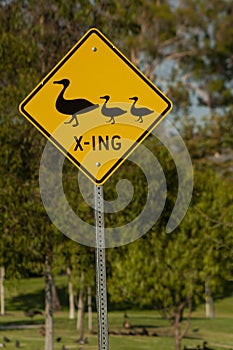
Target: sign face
pixel 95 106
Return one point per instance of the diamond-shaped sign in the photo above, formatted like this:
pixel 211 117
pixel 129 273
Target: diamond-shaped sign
pixel 95 106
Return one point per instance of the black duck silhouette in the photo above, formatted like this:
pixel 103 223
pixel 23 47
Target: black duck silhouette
pixel 72 107
pixel 6 340
pixel 139 111
pixel 111 112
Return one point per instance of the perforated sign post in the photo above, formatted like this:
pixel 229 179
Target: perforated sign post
pixel 96 107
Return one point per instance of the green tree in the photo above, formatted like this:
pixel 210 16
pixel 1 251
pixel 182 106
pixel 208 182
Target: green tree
pixel 169 271
pixel 207 36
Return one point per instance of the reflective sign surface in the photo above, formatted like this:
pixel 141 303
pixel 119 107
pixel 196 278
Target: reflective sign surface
pixel 95 106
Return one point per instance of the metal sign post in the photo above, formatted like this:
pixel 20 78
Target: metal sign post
pixel 101 290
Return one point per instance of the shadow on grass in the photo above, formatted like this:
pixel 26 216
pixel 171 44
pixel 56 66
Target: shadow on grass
pixel 27 301
pixel 62 292
pixel 35 300
pixel 134 326
pixel 14 324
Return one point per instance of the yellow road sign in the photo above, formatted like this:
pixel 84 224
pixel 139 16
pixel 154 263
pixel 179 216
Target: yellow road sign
pixel 95 106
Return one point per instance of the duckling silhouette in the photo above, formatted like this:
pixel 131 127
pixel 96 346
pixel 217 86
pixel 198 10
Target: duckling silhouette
pixel 139 111
pixel 72 107
pixel 112 111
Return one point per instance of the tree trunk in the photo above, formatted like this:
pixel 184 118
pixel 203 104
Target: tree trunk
pixel 56 301
pixel 71 295
pixel 177 330
pixel 209 302
pixel 80 316
pixel 89 308
pixel 2 291
pixel 178 319
pixel 48 304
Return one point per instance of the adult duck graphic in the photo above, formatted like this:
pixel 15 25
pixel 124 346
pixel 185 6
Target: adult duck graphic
pixel 111 112
pixel 139 111
pixel 72 107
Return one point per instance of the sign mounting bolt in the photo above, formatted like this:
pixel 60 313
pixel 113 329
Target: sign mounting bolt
pixel 94 49
pixel 98 164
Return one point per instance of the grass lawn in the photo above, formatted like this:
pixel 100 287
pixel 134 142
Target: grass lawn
pixel 28 294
